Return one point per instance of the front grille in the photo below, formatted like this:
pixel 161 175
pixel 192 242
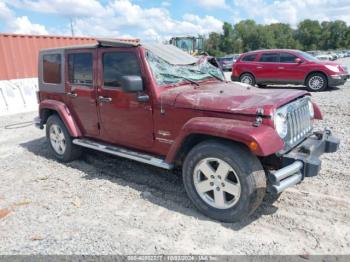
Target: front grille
pixel 299 121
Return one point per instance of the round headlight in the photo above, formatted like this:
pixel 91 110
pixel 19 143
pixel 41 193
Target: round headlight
pixel 281 124
pixel 311 109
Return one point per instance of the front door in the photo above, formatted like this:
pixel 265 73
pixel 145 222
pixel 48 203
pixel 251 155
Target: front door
pixel 124 120
pixel 289 70
pixel 81 89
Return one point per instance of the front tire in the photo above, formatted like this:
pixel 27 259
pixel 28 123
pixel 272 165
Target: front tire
pixel 225 181
pixel 247 78
pixel 316 82
pixel 60 140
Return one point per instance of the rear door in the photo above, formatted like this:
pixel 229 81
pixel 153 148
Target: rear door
pixel 124 120
pixel 288 70
pixel 81 89
pixel 266 67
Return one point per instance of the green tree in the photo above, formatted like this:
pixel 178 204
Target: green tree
pixel 283 36
pixel 308 34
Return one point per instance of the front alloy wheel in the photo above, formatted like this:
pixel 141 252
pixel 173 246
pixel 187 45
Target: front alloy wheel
pixel 224 180
pixel 217 183
pixel 316 82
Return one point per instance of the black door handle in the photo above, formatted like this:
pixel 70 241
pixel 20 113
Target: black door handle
pixel 72 94
pixel 103 99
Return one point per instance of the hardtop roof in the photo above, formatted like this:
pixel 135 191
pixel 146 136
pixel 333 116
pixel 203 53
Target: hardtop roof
pixel 169 53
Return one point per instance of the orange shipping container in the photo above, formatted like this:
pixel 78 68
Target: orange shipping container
pixel 19 53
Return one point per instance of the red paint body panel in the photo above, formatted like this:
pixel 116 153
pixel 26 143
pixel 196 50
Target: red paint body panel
pixel 318 113
pixel 239 131
pixel 64 114
pixel 231 97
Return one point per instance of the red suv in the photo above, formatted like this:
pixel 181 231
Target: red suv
pixel 282 66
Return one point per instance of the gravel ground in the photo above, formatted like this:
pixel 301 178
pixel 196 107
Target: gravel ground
pixel 106 205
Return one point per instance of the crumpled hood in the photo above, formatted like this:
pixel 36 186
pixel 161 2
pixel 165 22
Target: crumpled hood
pixel 230 97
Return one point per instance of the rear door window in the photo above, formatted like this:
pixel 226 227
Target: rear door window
pixel 118 64
pixel 249 58
pixel 80 69
pixel 287 58
pixel 269 58
pixel 52 68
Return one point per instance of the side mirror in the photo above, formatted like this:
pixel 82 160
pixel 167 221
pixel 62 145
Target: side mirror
pixel 298 60
pixel 132 83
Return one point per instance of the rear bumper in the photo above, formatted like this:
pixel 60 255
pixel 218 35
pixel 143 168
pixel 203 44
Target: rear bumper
pixel 337 80
pixel 303 161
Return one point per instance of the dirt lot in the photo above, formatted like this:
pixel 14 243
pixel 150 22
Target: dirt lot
pixel 106 205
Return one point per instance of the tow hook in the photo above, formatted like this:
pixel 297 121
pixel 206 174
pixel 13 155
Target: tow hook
pixel 259 117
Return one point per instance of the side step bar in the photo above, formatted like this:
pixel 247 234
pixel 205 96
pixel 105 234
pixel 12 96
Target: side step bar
pixel 122 152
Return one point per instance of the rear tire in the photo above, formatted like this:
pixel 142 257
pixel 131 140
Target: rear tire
pixel 225 181
pixel 316 82
pixel 247 78
pixel 60 140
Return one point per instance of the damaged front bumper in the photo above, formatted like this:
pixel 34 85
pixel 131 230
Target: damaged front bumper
pixel 302 161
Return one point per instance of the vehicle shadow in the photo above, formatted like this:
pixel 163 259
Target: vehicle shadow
pixel 295 87
pixel 161 187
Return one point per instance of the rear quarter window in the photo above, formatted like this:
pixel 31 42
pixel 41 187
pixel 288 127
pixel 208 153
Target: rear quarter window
pixel 249 58
pixel 80 69
pixel 52 68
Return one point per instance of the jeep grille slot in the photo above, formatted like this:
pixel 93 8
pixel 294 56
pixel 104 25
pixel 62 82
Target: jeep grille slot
pixel 299 122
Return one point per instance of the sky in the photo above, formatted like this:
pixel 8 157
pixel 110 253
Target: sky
pixel 157 20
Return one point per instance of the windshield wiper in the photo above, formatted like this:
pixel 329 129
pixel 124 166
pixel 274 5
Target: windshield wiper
pixel 182 77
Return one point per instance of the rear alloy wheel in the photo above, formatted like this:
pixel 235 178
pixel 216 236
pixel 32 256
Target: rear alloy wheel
pixel 225 181
pixel 60 140
pixel 247 78
pixel 316 82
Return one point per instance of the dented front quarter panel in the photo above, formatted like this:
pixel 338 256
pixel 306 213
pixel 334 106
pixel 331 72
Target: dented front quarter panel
pixel 244 132
pixel 64 114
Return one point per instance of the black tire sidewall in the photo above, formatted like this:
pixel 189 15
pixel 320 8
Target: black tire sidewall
pixel 54 119
pixel 235 158
pixel 325 81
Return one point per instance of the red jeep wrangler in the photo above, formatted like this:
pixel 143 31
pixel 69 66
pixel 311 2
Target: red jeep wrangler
pixel 158 105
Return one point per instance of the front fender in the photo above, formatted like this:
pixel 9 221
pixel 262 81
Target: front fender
pixel 267 140
pixel 64 114
pixel 317 110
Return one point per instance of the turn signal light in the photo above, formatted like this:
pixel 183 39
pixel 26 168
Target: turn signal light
pixel 253 146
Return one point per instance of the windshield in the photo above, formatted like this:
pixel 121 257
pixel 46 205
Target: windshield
pixel 169 74
pixel 307 56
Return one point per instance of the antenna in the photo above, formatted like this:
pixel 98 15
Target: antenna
pixel 71 26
